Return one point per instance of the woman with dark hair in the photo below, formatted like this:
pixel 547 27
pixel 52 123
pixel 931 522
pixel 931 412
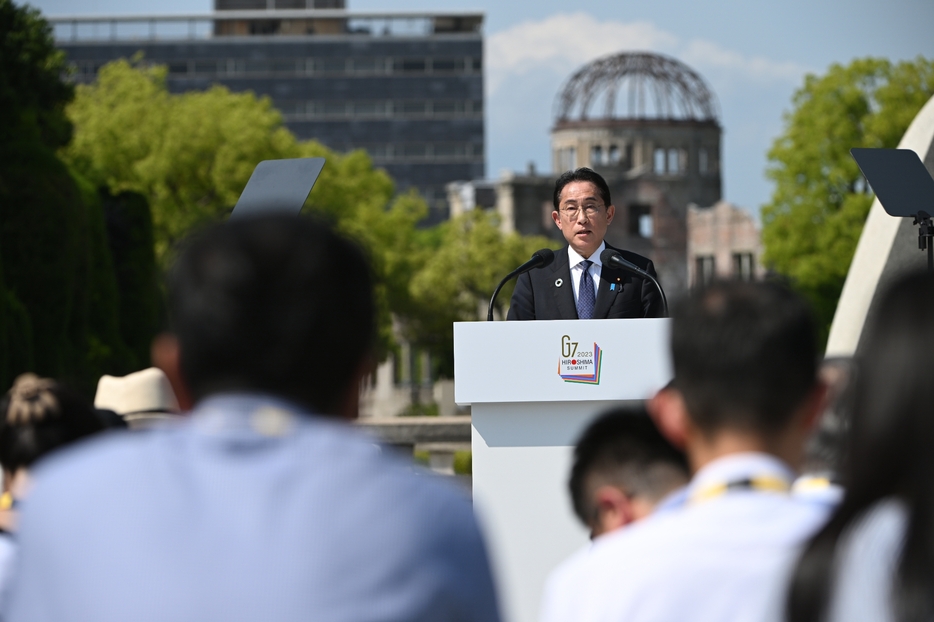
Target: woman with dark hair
pixel 37 416
pixel 874 560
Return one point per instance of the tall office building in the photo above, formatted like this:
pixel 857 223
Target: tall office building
pixel 405 86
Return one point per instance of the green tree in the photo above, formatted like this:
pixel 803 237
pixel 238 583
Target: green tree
pixel 59 315
pixel 820 202
pixel 33 95
pixel 130 239
pixel 189 154
pixel 460 269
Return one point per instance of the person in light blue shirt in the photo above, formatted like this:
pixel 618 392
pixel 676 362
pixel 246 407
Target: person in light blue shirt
pixel 264 504
pixel 746 395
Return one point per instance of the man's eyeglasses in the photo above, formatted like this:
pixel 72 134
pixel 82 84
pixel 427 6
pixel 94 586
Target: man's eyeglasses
pixel 572 212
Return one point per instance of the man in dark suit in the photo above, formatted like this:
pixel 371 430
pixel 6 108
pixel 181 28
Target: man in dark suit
pixel 577 285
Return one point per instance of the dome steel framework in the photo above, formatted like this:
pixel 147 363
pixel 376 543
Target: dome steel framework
pixel 636 86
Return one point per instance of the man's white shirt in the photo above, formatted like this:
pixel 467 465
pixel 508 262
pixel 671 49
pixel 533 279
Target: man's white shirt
pixel 575 261
pixel 722 558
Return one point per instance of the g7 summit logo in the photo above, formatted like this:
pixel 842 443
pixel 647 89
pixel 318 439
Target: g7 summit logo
pixel 577 365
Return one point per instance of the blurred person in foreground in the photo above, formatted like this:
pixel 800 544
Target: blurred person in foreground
pixel 874 560
pixel 745 364
pixel 38 417
pixel 820 473
pixel 264 504
pixel 623 467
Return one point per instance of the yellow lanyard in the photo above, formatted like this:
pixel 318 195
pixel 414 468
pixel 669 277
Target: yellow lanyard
pixel 762 483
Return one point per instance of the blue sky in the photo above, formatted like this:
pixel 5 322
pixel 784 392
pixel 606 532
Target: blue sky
pixel 753 55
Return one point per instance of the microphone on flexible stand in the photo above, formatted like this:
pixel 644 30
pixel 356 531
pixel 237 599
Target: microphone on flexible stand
pixel 612 257
pixel 540 259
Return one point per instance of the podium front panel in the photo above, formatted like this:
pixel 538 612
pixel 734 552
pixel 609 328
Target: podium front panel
pixel 562 360
pixel 533 387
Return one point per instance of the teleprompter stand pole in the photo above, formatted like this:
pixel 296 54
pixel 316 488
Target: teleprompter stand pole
pixel 926 236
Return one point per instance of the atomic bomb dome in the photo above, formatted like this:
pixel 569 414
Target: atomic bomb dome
pixel 650 125
pixel 636 86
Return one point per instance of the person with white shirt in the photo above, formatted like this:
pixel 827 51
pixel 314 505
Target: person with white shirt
pixel 576 285
pixel 748 393
pixel 874 560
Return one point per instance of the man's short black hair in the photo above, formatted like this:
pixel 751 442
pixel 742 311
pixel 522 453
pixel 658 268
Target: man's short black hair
pixel 623 448
pixel 278 304
pixel 745 355
pixel 582 174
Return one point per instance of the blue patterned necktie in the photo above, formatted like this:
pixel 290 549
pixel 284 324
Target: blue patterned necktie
pixel 586 298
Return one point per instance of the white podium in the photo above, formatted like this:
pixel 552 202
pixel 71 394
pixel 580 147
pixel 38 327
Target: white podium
pixel 532 388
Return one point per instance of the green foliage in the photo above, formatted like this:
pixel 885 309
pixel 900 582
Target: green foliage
pixel 59 301
pixel 820 202
pixel 463 462
pixel 130 240
pixel 58 269
pixel 359 200
pixel 459 272
pixel 32 93
pixel 189 154
pixel 418 409
pixel 97 303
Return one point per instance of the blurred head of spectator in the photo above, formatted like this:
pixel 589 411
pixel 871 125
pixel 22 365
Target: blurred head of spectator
pixel 745 363
pixel 622 468
pixel 39 416
pixel 261 305
pixel 886 518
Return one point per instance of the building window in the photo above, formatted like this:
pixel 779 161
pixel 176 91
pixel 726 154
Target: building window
pixel 596 155
pixel 410 65
pixel 744 266
pixel 446 65
pixel 330 66
pixel 421 152
pixel 614 154
pixel 676 163
pixel 567 159
pixel 368 65
pixel 379 109
pixel 704 270
pixel 706 161
pixel 411 108
pixel 640 221
pixel 659 162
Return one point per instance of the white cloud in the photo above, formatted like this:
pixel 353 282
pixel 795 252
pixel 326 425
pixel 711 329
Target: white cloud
pixel 527 64
pixel 707 54
pixel 563 42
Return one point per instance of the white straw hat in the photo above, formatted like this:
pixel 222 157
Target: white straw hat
pixel 144 393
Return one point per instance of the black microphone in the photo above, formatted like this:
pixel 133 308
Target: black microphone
pixel 612 258
pixel 540 259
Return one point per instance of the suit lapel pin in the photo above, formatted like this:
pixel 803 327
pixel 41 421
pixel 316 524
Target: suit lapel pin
pixel 559 282
pixel 612 287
